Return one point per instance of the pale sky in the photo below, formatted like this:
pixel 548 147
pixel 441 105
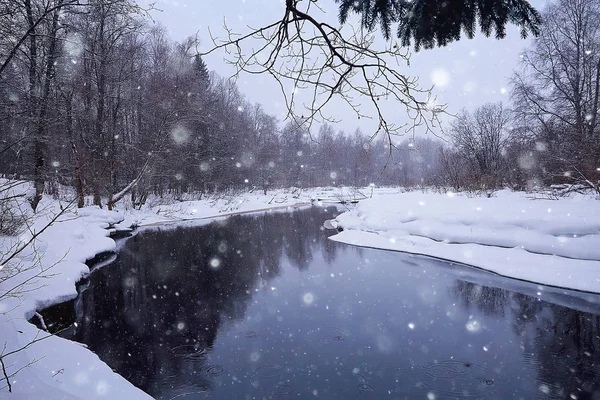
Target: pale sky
pixel 466 74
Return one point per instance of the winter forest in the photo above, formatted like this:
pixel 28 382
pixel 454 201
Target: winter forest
pixel 96 97
pixel 165 234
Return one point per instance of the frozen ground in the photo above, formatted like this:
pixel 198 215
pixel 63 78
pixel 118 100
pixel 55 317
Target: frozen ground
pixel 530 237
pixel 46 272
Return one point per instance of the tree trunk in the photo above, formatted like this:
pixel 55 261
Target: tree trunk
pixel 40 138
pixel 77 175
pixel 100 105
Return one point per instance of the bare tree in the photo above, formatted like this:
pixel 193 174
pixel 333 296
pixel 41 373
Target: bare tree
pixel 306 56
pixel 455 169
pixel 263 148
pixel 309 57
pixel 110 64
pixel 14 34
pixel 480 138
pixel 29 36
pixel 557 92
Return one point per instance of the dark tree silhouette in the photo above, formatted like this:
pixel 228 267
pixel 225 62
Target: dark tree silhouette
pixel 201 73
pixel 431 23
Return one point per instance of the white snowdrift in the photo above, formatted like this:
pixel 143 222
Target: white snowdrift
pixel 552 242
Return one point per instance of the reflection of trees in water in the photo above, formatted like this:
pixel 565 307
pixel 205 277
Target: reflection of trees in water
pixel 527 310
pixel 488 300
pixel 568 341
pixel 296 248
pixel 329 248
pixel 563 343
pixel 178 287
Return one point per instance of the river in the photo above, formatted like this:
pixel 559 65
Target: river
pixel 265 306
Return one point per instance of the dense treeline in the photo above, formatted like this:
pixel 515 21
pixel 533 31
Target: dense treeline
pixel 99 99
pixel 94 96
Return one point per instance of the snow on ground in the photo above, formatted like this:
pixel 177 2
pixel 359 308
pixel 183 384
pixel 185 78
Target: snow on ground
pixel 168 210
pixel 549 241
pixel 55 368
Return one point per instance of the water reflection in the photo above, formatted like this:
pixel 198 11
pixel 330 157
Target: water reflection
pixel 560 342
pixel 265 306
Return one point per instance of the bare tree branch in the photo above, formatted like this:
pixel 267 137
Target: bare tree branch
pixel 303 54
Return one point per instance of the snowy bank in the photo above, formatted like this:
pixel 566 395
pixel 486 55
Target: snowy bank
pixel 170 210
pixel 47 366
pixel 549 241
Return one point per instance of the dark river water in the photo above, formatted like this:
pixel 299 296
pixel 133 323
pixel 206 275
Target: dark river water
pixel 266 307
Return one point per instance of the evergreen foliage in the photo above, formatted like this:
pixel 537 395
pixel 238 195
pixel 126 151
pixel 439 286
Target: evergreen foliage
pixel 431 23
pixel 201 72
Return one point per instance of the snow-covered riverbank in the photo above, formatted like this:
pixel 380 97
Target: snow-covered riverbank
pixel 49 367
pixel 166 211
pixel 552 241
pixel 556 242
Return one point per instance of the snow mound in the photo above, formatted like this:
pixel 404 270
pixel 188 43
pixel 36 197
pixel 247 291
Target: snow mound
pixel 553 242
